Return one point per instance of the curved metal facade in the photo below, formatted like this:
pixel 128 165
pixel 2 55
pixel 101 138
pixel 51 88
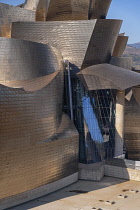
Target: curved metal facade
pixel 68 10
pixel 87 46
pixel 28 160
pixel 101 77
pixel 24 60
pixel 30 4
pixel 33 127
pixel 120 45
pixel 123 62
pixel 73 48
pixel 39 144
pixel 42 60
pixel 102 42
pixel 53 10
pixel 11 14
pixel 132 126
pixel 99 8
pixel 42 9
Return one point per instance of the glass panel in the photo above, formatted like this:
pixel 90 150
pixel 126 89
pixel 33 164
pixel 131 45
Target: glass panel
pixel 94 118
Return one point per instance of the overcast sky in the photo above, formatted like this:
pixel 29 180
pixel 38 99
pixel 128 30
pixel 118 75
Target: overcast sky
pixel 126 10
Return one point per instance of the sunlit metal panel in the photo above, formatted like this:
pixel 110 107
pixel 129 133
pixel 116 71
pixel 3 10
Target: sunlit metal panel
pixel 9 14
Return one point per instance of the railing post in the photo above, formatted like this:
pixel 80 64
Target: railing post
pixel 69 89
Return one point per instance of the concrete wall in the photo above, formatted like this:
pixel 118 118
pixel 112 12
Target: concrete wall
pixel 124 169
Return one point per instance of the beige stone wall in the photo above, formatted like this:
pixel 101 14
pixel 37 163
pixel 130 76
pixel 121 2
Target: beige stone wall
pixel 132 127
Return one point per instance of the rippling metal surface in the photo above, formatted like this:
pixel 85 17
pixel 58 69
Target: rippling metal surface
pixel 99 8
pixel 80 42
pixel 24 60
pixel 42 10
pixel 123 62
pixel 62 10
pixel 9 14
pixel 38 143
pixel 102 42
pixel 29 64
pixel 132 125
pixel 27 160
pixel 106 76
pixel 120 45
pixel 70 37
pixel 30 4
pixel 29 119
pixel 68 10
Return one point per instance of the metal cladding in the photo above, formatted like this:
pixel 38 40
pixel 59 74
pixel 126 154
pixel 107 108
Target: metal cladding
pixel 106 76
pixel 31 4
pixel 99 8
pixel 59 34
pixel 39 6
pixel 42 9
pixel 32 127
pixel 80 42
pixel 120 45
pixel 11 14
pixel 31 85
pixel 24 60
pixel 131 125
pixel 53 10
pixel 39 144
pixel 123 62
pixel 136 93
pixel 31 161
pixel 102 42
pixel 31 73
pixel 68 10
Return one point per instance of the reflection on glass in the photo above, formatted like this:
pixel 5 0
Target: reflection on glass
pixel 94 118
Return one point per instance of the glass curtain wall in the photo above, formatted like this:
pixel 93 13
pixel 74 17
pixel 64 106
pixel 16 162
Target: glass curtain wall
pixel 94 118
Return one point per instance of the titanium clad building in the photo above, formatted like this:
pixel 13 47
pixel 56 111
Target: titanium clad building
pixel 62 96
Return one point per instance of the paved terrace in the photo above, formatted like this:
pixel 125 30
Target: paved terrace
pixel 109 193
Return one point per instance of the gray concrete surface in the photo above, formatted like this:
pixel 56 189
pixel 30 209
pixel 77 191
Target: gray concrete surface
pixel 87 195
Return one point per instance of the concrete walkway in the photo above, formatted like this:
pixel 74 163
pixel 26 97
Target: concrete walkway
pixel 88 195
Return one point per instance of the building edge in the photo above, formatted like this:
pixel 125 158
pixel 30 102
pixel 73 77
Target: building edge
pixel 37 192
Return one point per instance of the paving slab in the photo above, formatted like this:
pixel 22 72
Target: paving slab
pixel 88 195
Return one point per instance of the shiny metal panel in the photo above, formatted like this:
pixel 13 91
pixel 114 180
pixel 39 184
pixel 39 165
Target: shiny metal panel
pixel 9 14
pixel 99 8
pixel 26 164
pixel 24 60
pixel 106 76
pixel 29 72
pixel 33 84
pixel 70 37
pixel 68 10
pixel 132 125
pixel 38 145
pixel 39 6
pixel 102 42
pixel 136 94
pixel 80 42
pixel 120 45
pixel 123 62
pixel 30 4
pixel 42 9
